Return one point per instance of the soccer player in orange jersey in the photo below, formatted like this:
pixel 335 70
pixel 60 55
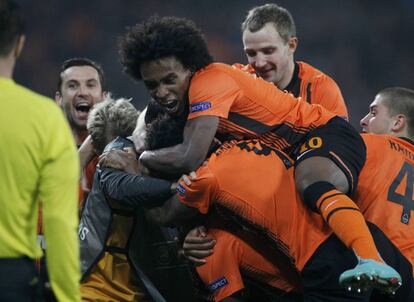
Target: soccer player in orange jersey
pixel 171 57
pixel 385 191
pixel 269 40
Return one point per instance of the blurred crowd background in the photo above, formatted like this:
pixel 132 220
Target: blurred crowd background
pixel 365 45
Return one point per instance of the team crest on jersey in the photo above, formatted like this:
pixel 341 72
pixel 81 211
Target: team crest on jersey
pixel 219 283
pixel 202 106
pixel 181 190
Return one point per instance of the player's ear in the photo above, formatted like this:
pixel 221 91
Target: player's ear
pixel 400 123
pixel 293 44
pixel 58 98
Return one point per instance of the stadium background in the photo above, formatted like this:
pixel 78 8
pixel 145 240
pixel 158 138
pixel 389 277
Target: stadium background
pixel 364 45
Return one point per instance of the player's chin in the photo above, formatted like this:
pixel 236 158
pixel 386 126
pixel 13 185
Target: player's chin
pixel 268 76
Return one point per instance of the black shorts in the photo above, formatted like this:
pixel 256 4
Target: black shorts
pixel 18 280
pixel 321 273
pixel 338 141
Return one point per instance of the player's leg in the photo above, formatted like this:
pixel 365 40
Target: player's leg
pixel 326 172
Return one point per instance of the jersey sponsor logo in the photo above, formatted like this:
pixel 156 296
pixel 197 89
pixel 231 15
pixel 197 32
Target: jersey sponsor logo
pixel 202 106
pixel 219 283
pixel 181 190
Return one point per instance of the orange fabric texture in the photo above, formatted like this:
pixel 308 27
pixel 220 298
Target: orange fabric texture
pixel 250 107
pixel 315 87
pixel 347 222
pixel 263 193
pixel 239 256
pixel 383 192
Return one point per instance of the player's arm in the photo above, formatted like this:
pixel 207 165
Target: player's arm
pixel 172 212
pixel 58 191
pixel 86 152
pixel 134 190
pixel 187 156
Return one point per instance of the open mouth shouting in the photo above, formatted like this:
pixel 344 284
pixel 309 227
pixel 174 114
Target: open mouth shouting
pixel 171 106
pixel 82 109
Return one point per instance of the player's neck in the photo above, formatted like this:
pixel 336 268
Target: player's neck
pixel 79 135
pixel 6 67
pixel 283 83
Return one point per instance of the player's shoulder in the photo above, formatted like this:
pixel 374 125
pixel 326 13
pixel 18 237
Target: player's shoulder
pixel 214 76
pixel 310 73
pixel 381 142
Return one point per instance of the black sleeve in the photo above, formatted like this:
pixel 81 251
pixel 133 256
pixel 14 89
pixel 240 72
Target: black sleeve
pixel 134 190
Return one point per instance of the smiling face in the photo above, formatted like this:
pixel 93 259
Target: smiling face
pixel 378 120
pixel 270 56
pixel 168 82
pixel 80 90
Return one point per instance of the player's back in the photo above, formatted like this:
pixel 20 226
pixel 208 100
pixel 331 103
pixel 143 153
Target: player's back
pixel 250 107
pixel 256 183
pixel 385 189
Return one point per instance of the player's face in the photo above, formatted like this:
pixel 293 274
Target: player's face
pixel 378 120
pixel 167 81
pixel 80 90
pixel 269 55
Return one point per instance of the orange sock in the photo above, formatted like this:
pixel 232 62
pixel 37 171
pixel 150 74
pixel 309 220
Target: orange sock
pixel 348 224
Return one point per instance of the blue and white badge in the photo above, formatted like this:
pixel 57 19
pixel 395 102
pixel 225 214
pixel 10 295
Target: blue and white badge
pixel 202 106
pixel 219 283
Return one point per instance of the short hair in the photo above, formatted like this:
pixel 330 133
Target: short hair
pixel 163 37
pixel 109 119
pixel 165 131
pixel 259 16
pixel 12 25
pixel 399 100
pixel 81 62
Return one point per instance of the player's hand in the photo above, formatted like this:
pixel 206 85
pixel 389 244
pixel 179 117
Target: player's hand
pixel 197 245
pixel 120 160
pixel 173 187
pixel 187 179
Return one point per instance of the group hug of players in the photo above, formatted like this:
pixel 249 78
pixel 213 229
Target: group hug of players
pixel 293 196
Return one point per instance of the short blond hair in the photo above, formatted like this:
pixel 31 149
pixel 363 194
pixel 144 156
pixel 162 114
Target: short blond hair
pixel 109 119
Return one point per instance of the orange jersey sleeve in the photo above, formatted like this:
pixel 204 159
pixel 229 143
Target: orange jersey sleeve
pixel 202 192
pixel 385 189
pixel 212 93
pixel 314 87
pixel 250 107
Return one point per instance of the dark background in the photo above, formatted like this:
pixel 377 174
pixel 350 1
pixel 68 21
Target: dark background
pixel 364 45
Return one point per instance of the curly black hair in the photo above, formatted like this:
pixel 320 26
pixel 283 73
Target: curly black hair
pixel 161 37
pixel 164 131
